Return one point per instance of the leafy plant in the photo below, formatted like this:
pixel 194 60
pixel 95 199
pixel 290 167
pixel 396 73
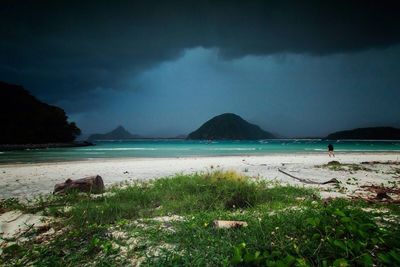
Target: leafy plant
pixel 331 237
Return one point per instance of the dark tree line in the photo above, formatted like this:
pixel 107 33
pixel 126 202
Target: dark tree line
pixel 26 120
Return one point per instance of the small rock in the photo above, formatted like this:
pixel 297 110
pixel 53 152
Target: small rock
pixel 220 224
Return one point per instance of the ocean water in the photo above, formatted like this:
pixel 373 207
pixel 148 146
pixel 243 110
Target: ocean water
pixel 186 148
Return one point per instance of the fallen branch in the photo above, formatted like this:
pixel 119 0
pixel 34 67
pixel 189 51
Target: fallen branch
pixel 333 180
pixel 379 188
pixel 21 233
pixel 389 162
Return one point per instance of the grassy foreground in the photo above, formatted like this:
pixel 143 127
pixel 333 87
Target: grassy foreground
pixel 168 222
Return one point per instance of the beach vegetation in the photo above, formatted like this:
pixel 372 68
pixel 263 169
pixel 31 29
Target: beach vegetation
pixel 348 167
pixel 169 222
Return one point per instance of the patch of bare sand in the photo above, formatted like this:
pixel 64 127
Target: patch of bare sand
pixel 30 180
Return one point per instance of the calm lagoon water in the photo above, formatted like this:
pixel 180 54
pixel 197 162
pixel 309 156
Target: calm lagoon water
pixel 186 148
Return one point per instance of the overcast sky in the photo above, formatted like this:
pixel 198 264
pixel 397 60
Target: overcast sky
pixel 162 68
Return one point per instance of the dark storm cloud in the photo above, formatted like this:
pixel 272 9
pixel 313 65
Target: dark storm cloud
pixel 64 49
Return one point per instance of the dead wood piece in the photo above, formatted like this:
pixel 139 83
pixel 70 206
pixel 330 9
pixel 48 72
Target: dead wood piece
pixel 333 180
pixel 382 194
pixel 379 188
pixel 389 162
pixel 21 233
pixel 91 184
pixel 220 224
pixel 376 200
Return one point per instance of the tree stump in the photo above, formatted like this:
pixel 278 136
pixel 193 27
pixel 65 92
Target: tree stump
pixel 91 184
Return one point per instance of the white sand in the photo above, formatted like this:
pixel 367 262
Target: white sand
pixel 13 223
pixel 28 180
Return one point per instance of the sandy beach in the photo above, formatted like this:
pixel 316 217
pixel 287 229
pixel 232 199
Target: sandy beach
pixel 30 180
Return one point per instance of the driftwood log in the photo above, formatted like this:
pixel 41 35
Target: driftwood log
pixel 331 181
pixel 91 184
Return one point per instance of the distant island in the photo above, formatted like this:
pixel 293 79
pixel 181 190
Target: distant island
pixel 371 133
pixel 229 126
pixel 26 121
pixel 119 133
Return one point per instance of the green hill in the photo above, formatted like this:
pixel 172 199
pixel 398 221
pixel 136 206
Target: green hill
pixel 229 126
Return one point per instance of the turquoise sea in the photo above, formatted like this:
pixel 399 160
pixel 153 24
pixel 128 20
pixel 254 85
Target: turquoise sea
pixel 186 148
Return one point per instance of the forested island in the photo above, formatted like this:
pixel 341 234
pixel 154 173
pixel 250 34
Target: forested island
pixel 229 126
pixel 28 122
pixel 370 133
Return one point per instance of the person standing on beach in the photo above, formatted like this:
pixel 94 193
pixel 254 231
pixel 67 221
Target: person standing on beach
pixel 330 151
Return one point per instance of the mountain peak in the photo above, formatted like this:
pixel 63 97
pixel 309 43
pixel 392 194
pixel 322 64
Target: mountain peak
pixel 229 126
pixel 118 133
pixel 119 129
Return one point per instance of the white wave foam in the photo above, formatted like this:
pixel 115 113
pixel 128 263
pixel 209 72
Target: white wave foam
pixel 368 150
pixel 232 149
pixel 354 150
pixel 119 149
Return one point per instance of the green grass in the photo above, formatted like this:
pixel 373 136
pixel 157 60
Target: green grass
pixel 337 166
pixel 287 226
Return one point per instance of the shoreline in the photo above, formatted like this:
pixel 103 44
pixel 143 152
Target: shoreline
pixel 19 147
pixel 32 179
pixel 295 153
